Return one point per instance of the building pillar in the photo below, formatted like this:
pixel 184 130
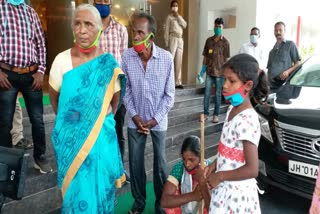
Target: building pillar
pixel 191 42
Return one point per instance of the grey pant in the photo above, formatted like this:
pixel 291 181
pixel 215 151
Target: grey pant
pixel 17 127
pixel 137 144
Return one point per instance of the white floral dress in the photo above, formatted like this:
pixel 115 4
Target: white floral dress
pixel 231 197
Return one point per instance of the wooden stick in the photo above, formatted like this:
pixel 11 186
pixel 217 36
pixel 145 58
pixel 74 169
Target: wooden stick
pixel 202 153
pixel 202 140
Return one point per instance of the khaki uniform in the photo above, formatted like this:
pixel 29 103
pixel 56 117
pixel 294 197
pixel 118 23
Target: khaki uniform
pixel 173 40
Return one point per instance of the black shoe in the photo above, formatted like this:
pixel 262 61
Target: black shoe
pixel 24 144
pixel 42 164
pixel 179 86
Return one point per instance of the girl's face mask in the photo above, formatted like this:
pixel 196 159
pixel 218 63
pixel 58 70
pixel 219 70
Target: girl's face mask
pixel 15 2
pixel 142 45
pixel 236 97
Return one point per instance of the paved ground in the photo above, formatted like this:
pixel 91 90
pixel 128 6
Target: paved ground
pixel 280 202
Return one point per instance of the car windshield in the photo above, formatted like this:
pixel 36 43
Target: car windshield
pixel 308 74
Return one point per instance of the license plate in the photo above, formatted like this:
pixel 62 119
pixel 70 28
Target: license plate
pixel 304 169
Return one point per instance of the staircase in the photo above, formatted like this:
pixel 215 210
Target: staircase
pixel 41 194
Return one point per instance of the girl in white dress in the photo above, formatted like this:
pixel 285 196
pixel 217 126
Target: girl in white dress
pixel 232 175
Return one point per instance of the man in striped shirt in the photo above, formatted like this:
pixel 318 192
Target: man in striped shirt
pixel 22 66
pixel 149 97
pixel 114 40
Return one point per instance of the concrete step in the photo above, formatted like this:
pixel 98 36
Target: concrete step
pixel 173 156
pixel 190 107
pixel 43 186
pixel 176 117
pixel 186 116
pixel 173 153
pixel 36 182
pixel 55 211
pixel 189 114
pixel 49 200
pixel 190 90
pixel 181 101
pixel 188 101
pixel 42 202
pixel 183 121
pixel 175 135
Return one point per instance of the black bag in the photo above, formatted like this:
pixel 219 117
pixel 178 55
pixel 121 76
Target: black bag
pixel 13 171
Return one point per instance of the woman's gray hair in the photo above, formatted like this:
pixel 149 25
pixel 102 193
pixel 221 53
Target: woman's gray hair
pixel 92 9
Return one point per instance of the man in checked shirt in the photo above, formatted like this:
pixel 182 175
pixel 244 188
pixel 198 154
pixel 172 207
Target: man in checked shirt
pixel 114 40
pixel 148 99
pixel 22 66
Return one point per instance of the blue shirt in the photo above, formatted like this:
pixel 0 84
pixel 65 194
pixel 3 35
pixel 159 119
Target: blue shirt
pixel 150 92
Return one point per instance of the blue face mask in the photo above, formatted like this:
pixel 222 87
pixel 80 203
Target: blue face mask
pixel 15 2
pixel 254 39
pixel 104 10
pixel 237 97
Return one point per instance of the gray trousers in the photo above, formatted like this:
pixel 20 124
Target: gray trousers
pixel 137 144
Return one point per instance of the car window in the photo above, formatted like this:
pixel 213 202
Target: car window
pixel 308 74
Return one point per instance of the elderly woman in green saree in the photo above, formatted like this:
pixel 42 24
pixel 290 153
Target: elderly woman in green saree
pixel 86 87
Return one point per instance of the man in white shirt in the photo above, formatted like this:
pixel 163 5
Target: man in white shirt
pixel 252 48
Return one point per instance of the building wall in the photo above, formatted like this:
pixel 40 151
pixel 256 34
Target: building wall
pixel 275 12
pixel 272 11
pixel 59 32
pixel 191 42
